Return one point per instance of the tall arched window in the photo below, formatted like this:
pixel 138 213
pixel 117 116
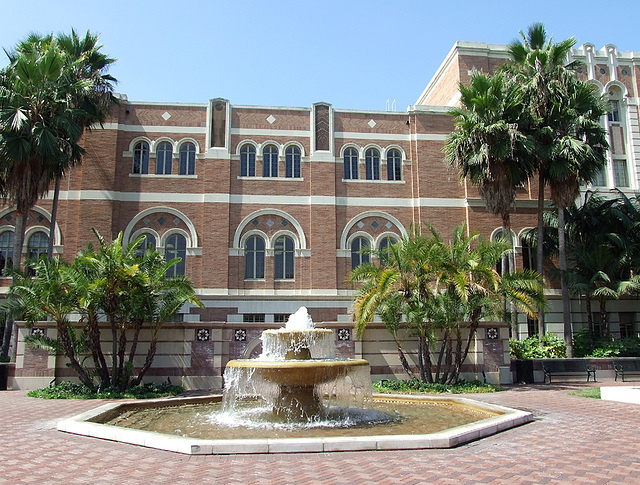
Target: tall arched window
pixel 293 162
pixel 141 157
pixel 163 158
pixel 254 258
pixel 37 244
pixel 149 242
pixel 372 164
pixel 394 165
pixel 359 254
pixel 176 247
pixel 350 164
pixel 187 159
pixel 284 258
pixel 383 247
pixel 248 161
pixel 270 161
pixel 6 250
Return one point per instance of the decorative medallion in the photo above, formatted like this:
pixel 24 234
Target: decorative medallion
pixel 271 119
pixel 603 70
pixel 240 335
pixel 372 123
pixel 284 223
pixel 270 223
pixel 492 333
pixel 344 334
pixel 161 221
pixel 375 224
pixel 166 115
pixel 202 335
pixel 625 72
pixel 38 332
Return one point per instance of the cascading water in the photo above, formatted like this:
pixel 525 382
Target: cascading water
pixel 298 377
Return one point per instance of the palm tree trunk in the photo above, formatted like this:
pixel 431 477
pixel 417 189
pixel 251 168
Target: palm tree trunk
pixel 54 215
pixel 592 334
pixel 18 241
pixel 405 363
pixel 540 262
pixel 566 303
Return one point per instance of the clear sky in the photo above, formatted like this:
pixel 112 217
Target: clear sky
pixel 352 54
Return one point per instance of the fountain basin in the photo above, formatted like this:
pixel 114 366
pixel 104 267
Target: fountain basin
pixel 90 424
pixel 298 372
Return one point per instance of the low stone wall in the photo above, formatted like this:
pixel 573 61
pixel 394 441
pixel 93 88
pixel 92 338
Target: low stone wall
pixel 194 354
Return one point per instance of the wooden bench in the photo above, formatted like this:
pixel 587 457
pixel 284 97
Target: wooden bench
pixel 567 368
pixel 626 367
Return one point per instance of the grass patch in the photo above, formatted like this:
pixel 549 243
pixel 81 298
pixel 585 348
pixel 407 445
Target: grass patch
pixel 415 386
pixel 68 390
pixel 592 392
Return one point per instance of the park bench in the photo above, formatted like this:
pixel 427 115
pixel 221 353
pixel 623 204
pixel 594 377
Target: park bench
pixel 626 367
pixel 567 368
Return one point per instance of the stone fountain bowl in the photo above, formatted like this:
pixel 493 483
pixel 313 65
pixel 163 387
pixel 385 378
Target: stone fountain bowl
pixel 299 373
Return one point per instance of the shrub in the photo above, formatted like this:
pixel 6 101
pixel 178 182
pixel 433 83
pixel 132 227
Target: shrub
pixel 69 390
pixel 414 385
pixel 629 347
pixel 548 347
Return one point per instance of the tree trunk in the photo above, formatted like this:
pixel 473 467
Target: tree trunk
pixel 592 334
pixel 18 241
pixel 540 248
pixel 405 363
pixel 67 344
pixel 147 363
pixel 95 344
pixel 54 215
pixel 566 303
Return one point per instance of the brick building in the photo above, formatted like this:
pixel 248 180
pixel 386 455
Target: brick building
pixel 268 207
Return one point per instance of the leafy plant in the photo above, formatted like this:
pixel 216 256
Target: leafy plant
pixel 536 347
pixel 69 390
pixel 415 385
pixel 582 347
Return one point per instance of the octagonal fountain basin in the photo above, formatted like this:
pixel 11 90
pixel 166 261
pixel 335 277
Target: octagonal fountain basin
pixel 199 426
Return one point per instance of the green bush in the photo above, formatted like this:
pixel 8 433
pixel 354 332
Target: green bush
pixel 69 390
pixel 414 385
pixel 629 347
pixel 550 346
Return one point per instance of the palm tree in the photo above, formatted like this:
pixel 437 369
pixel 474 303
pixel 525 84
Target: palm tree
pixel 446 290
pixel 562 116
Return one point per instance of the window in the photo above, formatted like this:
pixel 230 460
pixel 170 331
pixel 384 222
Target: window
pixel 248 161
pixel 187 159
pixel 532 327
pixel 350 164
pixel 372 164
pixel 627 320
pixel 6 250
pixel 37 244
pixel 620 175
pixel 394 165
pixel 284 258
pixel 281 318
pixel 270 161
pixel 176 247
pixel 359 255
pixel 253 318
pixel 254 258
pixel 163 158
pixel 149 242
pixel 600 180
pixel 384 248
pixel 529 257
pixel 292 162
pixel 614 114
pixel 141 157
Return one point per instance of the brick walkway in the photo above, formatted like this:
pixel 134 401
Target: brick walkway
pixel 572 440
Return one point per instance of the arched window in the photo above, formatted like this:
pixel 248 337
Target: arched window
pixel 270 161
pixel 149 242
pixel 293 162
pixel 254 258
pixel 176 247
pixel 394 165
pixel 248 161
pixel 284 258
pixel 499 234
pixel 384 248
pixel 6 250
pixel 350 164
pixel 37 244
pixel 141 157
pixel 529 256
pixel 187 159
pixel 372 164
pixel 163 158
pixel 359 246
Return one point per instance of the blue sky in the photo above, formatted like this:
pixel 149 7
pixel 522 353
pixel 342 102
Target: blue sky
pixel 353 54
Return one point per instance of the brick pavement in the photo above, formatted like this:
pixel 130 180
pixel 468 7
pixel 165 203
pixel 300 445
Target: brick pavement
pixel 572 440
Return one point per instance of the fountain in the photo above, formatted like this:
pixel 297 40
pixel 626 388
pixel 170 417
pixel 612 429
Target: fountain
pixel 297 369
pixel 296 397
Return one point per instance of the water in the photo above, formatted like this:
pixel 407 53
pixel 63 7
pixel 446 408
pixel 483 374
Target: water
pixel 252 420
